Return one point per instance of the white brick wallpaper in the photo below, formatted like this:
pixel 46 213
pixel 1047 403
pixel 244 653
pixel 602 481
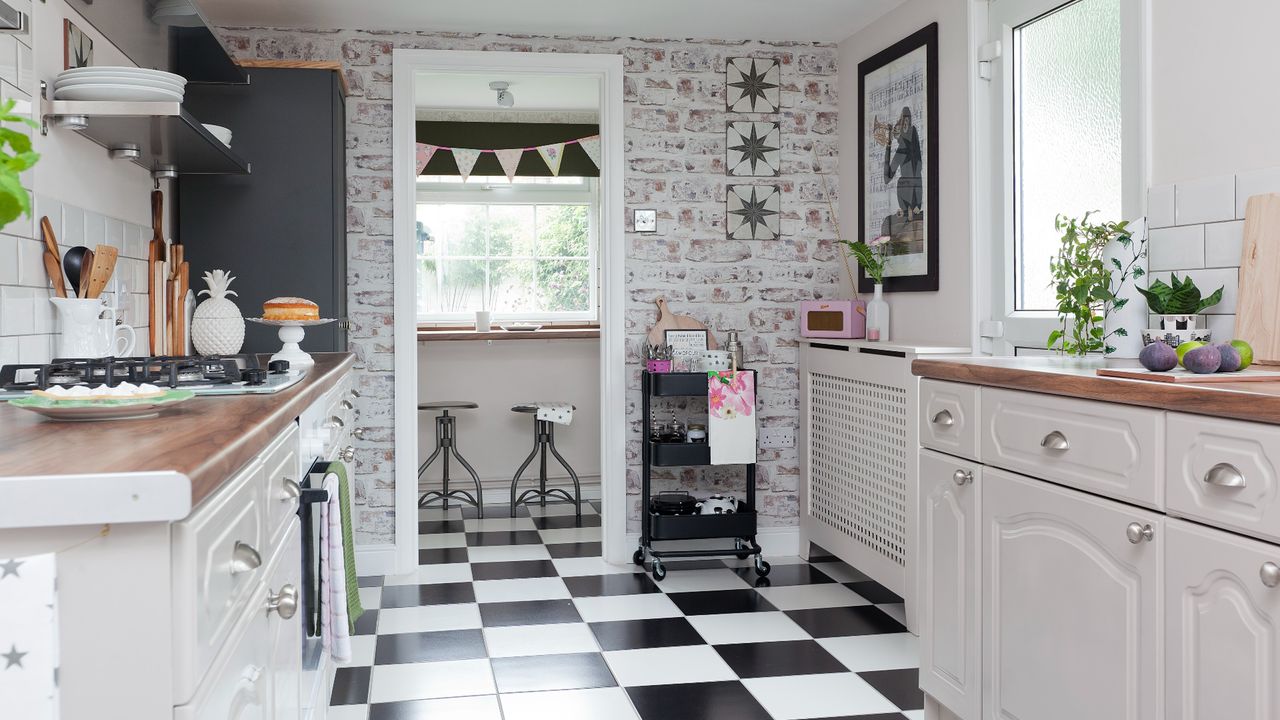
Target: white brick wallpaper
pixel 675 131
pixel 1197 228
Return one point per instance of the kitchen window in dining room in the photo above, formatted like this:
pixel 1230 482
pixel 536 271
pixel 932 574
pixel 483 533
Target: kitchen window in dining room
pixel 523 249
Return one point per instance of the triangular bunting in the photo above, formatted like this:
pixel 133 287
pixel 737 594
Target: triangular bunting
pixel 510 160
pixel 591 146
pixel 552 154
pixel 425 152
pixel 466 159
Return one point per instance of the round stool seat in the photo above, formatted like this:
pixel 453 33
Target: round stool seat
pixel 531 407
pixel 448 405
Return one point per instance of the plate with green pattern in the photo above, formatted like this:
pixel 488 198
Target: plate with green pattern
pixel 102 409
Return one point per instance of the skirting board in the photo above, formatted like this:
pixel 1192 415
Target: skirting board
pixel 376 559
pixel 775 541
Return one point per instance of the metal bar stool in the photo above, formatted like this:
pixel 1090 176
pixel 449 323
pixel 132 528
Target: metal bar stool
pixel 544 439
pixel 446 444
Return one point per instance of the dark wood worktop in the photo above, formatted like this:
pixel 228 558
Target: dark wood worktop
pixel 1256 401
pixel 207 438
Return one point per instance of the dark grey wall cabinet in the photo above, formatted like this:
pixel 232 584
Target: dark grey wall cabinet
pixel 280 230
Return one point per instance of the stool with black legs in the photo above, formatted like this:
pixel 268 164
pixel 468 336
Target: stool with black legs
pixel 544 440
pixel 446 445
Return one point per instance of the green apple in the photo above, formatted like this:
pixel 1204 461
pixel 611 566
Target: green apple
pixel 1184 347
pixel 1246 352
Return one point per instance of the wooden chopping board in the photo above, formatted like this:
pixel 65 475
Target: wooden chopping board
pixel 1258 304
pixel 668 320
pixel 1180 375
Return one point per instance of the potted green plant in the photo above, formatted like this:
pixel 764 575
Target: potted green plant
pixel 1178 303
pixel 1087 283
pixel 871 256
pixel 15 157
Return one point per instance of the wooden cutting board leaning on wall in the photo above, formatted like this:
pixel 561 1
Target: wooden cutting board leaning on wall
pixel 1258 304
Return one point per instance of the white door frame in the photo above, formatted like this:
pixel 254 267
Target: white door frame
pixel 405 64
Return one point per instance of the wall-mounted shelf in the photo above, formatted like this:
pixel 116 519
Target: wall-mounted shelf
pixel 165 136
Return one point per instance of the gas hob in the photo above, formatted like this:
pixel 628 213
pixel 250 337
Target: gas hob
pixel 224 375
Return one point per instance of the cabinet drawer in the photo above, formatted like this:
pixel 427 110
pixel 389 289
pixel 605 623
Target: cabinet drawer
pixel 217 554
pixel 949 417
pixel 1113 450
pixel 280 488
pixel 1224 472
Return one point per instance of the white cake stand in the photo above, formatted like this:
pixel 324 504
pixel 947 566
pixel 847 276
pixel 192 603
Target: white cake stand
pixel 291 333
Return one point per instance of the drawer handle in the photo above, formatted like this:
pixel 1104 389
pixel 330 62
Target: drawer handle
pixel 358 433
pixel 285 602
pixel 1137 533
pixel 355 393
pixel 346 405
pixel 349 454
pixel 962 477
pixel 1224 475
pixel 1270 574
pixel 334 422
pixel 944 419
pixel 1055 441
pixel 291 490
pixel 244 558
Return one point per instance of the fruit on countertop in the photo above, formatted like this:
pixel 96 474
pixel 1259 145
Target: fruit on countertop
pixel 1230 357
pixel 1246 352
pixel 1186 347
pixel 1202 360
pixel 1158 357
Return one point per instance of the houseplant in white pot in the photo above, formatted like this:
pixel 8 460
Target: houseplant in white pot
pixel 1178 303
pixel 1088 282
pixel 871 256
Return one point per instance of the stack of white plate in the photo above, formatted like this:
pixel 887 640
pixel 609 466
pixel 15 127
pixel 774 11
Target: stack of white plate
pixel 119 84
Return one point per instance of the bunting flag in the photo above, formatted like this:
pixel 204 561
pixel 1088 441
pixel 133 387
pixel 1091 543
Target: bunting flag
pixel 466 159
pixel 425 152
pixel 510 160
pixel 552 155
pixel 591 146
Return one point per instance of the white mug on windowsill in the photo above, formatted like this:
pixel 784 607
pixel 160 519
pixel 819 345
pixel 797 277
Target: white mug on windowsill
pixel 483 321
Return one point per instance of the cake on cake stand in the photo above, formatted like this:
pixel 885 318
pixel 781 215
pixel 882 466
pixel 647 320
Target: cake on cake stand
pixel 291 333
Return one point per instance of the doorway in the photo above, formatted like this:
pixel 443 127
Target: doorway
pixel 534 236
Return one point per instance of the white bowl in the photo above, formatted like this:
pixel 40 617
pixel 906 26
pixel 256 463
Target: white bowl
pixel 223 134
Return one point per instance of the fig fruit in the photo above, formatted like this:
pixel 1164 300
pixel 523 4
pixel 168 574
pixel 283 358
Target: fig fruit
pixel 1230 358
pixel 1158 357
pixel 1202 360
pixel 1186 347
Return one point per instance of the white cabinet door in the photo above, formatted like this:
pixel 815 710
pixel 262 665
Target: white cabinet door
pixel 285 633
pixel 1071 606
pixel 950 614
pixel 1223 637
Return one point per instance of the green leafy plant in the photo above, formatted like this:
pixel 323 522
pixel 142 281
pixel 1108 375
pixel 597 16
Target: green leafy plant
pixel 1088 284
pixel 871 256
pixel 15 157
pixel 1180 298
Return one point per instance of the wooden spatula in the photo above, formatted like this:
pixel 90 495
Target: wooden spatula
pixel 104 264
pixel 52 258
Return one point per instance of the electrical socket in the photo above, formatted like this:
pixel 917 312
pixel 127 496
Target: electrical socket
pixel 777 438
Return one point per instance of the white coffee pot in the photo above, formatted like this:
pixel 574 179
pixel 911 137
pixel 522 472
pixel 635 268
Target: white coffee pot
pixel 87 329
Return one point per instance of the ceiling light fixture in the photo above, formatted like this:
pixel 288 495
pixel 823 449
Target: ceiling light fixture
pixel 505 98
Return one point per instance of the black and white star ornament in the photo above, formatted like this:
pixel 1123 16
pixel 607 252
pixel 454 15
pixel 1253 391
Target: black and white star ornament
pixel 753 85
pixel 752 212
pixel 753 149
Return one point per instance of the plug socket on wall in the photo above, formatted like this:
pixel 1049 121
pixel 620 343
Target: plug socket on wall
pixel 777 438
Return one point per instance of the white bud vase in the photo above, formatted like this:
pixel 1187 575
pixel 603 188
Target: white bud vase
pixel 878 316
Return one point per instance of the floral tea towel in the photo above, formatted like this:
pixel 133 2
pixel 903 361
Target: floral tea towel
pixel 29 637
pixel 731 411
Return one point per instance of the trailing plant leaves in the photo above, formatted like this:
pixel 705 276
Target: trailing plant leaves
pixel 15 157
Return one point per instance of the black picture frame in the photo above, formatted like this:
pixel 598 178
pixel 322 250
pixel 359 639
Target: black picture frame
pixel 926 38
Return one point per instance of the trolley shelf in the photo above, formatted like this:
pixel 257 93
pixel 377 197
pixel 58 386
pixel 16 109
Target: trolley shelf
pixel 679 454
pixel 741 524
pixel 678 384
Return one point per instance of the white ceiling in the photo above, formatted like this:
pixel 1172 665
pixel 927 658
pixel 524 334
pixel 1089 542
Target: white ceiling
pixel 810 20
pixel 458 91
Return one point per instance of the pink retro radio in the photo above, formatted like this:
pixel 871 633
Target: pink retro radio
pixel 833 318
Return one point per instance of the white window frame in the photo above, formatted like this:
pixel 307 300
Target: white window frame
pixel 504 193
pixel 1002 328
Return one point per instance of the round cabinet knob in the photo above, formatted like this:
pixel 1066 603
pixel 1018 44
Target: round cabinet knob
pixel 1270 574
pixel 349 454
pixel 358 433
pixel 962 477
pixel 244 558
pixel 334 423
pixel 1137 533
pixel 1055 441
pixel 346 405
pixel 355 393
pixel 285 602
pixel 290 489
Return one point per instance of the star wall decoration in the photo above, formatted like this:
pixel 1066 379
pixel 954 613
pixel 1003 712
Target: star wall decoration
pixel 753 85
pixel 752 212
pixel 753 149
pixel 13 657
pixel 10 567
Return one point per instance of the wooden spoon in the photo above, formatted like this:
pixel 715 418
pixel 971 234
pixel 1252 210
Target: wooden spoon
pixel 104 264
pixel 54 271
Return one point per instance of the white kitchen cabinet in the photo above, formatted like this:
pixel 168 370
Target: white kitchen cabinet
pixel 284 595
pixel 1222 616
pixel 949 612
pixel 1071 599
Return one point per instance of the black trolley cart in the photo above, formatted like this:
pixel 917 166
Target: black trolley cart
pixel 739 526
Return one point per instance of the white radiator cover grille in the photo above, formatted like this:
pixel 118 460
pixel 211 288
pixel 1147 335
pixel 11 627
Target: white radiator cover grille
pixel 858 467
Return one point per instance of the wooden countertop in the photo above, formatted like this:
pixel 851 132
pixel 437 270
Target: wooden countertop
pixel 1255 401
pixel 206 439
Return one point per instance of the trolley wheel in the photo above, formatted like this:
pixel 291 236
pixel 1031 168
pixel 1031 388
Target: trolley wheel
pixel 638 557
pixel 659 570
pixel 745 552
pixel 762 567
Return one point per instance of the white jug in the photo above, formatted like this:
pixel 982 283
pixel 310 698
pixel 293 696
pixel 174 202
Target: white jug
pixel 87 329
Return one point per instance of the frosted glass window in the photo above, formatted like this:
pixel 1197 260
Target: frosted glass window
pixel 1067 160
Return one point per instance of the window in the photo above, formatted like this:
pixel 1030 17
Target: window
pixel 524 250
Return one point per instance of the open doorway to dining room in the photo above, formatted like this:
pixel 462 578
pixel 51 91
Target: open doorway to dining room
pixel 508 275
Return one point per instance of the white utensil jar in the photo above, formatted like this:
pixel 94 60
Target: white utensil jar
pixel 87 329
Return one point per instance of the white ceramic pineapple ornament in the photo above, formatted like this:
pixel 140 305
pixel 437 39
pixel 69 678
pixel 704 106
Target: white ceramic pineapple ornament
pixel 217 327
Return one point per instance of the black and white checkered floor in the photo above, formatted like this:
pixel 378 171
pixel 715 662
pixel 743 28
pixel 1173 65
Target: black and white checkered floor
pixel 519 619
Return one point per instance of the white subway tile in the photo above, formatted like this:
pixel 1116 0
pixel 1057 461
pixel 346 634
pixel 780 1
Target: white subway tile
pixel 26 69
pixel 35 349
pixel 1209 200
pixel 8 59
pixel 9 260
pixel 47 206
pixel 17 311
pixel 1176 248
pixel 115 233
pixel 1255 182
pixel 1223 327
pixel 72 227
pixel 1222 243
pixel 9 351
pixel 1211 279
pixel 31 270
pixel 140 280
pixel 95 230
pixel 43 311
pixel 1160 206
pixel 136 238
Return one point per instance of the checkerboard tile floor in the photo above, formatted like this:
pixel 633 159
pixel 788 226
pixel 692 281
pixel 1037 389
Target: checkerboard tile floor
pixel 519 619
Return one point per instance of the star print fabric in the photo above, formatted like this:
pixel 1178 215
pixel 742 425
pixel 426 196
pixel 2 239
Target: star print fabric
pixel 29 637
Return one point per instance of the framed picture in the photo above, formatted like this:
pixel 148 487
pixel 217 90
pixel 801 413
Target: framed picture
pixel 753 148
pixel 77 48
pixel 898 160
